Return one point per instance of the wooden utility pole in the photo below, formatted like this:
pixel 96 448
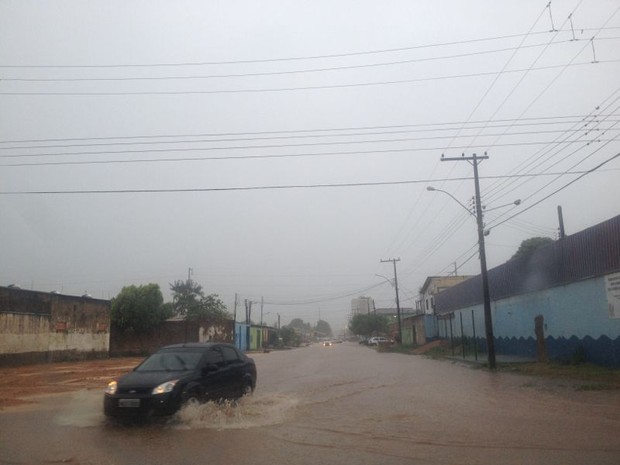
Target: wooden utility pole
pixel 486 297
pixel 400 329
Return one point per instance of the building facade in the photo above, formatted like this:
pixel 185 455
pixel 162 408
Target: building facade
pixel 362 306
pixel 560 302
pixel 433 286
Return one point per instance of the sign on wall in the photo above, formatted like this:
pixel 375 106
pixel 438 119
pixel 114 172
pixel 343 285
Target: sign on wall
pixel 612 285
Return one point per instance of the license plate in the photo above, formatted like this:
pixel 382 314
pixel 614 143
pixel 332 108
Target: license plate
pixel 129 403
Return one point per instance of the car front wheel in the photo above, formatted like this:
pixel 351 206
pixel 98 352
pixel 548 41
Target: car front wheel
pixel 247 389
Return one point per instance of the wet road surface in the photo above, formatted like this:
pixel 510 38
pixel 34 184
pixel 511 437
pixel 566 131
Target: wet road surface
pixel 344 404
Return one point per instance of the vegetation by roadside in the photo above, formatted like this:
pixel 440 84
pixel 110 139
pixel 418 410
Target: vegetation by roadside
pixel 582 376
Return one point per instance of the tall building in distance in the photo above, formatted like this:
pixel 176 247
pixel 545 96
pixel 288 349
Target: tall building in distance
pixel 362 306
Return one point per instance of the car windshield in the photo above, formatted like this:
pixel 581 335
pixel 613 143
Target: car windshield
pixel 171 361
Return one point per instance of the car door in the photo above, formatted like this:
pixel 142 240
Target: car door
pixel 214 375
pixel 235 371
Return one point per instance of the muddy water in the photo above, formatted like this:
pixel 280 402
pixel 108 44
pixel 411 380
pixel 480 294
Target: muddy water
pixel 343 404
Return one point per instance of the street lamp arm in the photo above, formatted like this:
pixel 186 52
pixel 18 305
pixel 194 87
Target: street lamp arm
pixel 516 202
pixel 390 282
pixel 432 189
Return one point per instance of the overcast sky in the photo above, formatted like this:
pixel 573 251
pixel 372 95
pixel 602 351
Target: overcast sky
pixel 283 148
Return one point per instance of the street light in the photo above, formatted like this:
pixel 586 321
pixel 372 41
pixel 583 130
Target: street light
pixel 486 297
pixel 390 281
pixel 516 202
pixel 432 189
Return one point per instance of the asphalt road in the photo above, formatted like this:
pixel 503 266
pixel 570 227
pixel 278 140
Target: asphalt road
pixel 345 404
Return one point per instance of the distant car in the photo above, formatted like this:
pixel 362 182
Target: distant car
pixel 179 374
pixel 327 344
pixel 375 341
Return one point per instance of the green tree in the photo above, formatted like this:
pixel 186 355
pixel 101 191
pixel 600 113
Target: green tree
pixel 528 246
pixel 367 324
pixel 324 328
pixel 298 323
pixel 289 336
pixel 139 308
pixel 190 302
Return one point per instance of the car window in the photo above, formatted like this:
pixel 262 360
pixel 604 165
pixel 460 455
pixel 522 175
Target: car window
pixel 171 361
pixel 230 355
pixel 214 357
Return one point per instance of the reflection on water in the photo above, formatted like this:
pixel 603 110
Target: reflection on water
pixel 248 412
pixel 84 409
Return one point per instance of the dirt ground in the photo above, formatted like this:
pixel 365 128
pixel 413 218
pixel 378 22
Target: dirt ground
pixel 19 384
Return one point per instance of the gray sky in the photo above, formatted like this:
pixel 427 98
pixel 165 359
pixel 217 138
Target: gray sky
pixel 197 101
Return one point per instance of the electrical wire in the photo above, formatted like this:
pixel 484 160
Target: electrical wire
pixel 252 188
pixel 294 88
pixel 529 207
pixel 281 73
pixel 529 121
pixel 281 59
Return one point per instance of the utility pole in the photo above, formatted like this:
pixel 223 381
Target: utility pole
pixel 261 310
pixel 400 329
pixel 190 272
pixel 235 319
pixel 486 297
pixel 561 220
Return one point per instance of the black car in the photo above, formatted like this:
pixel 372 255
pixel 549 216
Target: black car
pixel 178 374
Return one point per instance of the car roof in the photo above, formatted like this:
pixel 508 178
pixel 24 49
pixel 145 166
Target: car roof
pixel 196 345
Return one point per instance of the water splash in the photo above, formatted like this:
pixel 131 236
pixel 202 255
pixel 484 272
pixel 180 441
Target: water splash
pixel 248 412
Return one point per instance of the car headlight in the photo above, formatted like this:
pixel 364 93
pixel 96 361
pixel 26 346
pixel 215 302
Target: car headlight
pixel 168 386
pixel 111 388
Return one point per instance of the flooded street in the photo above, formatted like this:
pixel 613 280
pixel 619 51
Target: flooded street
pixel 343 404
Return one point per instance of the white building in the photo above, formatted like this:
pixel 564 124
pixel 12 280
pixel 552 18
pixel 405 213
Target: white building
pixel 362 305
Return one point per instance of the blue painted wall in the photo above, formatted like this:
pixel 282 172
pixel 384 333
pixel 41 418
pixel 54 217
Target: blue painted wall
pixel 576 318
pixel 241 336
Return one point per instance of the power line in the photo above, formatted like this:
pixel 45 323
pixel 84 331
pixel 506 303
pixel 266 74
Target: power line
pixel 301 136
pixel 281 59
pixel 281 73
pixel 256 188
pixel 432 126
pixel 316 300
pixel 565 159
pixel 563 69
pixel 240 157
pixel 559 189
pixel 297 88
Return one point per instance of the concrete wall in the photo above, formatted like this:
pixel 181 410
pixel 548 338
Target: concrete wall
pixel 40 326
pixel 576 319
pixel 169 332
pixel 24 333
pixel 242 336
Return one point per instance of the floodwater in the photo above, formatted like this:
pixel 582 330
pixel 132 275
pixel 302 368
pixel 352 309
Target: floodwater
pixel 345 404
